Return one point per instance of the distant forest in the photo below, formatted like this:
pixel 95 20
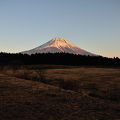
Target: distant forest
pixel 58 59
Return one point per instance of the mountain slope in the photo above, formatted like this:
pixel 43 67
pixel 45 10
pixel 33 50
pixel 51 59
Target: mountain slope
pixel 58 45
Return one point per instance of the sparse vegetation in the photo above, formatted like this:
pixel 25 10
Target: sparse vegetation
pixel 63 92
pixel 35 75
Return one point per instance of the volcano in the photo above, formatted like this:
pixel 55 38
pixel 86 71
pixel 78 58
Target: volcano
pixel 58 45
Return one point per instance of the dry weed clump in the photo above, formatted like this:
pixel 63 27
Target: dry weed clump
pixel 7 70
pixel 30 75
pixel 35 75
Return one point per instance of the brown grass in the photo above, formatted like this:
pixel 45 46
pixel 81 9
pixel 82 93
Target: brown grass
pixel 35 75
pixel 73 93
pixel 96 82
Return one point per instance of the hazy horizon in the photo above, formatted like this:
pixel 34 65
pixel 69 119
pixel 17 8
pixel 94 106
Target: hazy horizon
pixel 93 25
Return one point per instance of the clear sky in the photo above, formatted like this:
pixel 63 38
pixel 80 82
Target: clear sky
pixel 93 25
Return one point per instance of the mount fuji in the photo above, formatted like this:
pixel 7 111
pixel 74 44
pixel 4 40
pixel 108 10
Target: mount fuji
pixel 58 45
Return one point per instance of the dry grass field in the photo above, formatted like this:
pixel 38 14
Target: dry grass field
pixel 49 92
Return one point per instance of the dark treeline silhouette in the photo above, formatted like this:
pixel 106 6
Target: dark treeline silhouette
pixel 57 58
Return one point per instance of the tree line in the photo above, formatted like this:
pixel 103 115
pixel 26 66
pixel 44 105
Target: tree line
pixel 57 58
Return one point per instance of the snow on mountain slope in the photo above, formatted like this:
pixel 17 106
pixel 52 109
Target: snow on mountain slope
pixel 58 45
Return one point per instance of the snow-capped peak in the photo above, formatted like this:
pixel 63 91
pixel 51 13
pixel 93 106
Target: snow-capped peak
pixel 58 45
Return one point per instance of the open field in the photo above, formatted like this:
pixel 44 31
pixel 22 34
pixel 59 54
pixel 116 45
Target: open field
pixel 59 93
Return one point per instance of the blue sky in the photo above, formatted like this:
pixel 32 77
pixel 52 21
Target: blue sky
pixel 93 25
